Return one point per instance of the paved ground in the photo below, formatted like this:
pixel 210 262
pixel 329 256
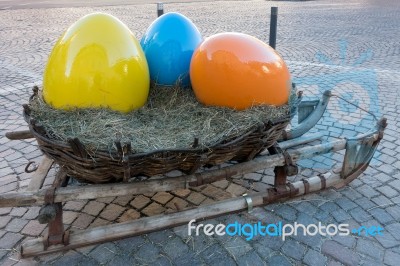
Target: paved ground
pixel 351 47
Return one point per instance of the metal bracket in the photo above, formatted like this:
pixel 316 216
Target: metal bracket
pixel 249 202
pixel 359 153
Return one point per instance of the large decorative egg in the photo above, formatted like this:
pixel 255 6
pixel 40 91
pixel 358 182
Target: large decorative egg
pixel 168 44
pixel 237 70
pixel 97 63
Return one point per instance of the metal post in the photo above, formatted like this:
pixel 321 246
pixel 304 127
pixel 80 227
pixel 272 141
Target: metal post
pixel 160 9
pixel 273 26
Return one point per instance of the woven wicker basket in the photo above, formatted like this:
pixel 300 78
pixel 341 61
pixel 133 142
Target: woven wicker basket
pixel 105 167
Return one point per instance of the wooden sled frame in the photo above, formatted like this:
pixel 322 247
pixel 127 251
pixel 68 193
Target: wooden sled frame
pixel 359 152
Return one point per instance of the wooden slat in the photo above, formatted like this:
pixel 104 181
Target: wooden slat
pixel 150 224
pixel 15 135
pixel 40 174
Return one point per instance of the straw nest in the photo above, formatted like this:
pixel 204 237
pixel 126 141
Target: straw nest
pixel 171 119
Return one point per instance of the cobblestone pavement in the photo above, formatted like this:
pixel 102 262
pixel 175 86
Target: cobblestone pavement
pixel 351 47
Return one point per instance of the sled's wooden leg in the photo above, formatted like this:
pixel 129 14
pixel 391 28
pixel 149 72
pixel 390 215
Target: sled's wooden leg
pixel 56 234
pixel 40 174
pixel 52 214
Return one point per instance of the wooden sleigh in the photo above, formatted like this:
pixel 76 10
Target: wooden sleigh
pixel 358 154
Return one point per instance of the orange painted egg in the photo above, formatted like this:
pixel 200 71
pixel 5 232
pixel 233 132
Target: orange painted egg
pixel 238 71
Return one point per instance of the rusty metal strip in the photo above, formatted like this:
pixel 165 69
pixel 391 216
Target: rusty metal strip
pixel 306 186
pixel 323 181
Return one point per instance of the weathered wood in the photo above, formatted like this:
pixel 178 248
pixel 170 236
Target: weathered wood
pixel 18 199
pixel 40 174
pixel 159 222
pixel 300 140
pixel 16 135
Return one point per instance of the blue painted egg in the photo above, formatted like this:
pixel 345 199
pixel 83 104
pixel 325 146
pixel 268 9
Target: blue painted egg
pixel 168 44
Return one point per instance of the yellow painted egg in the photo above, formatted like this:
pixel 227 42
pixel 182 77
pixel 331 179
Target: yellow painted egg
pixel 97 63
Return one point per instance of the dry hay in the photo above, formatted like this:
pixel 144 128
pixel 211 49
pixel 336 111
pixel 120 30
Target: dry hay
pixel 171 119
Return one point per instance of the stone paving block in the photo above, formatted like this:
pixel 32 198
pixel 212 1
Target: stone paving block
pixel 5 211
pixel 287 212
pixel 162 197
pixel 33 228
pixel 347 241
pixel 196 198
pixel 367 191
pixel 387 241
pixel 177 204
pixel 391 258
pixel 16 225
pixel 274 243
pixel 339 253
pixel 360 215
pixel 369 248
pixel 175 248
pixel 69 217
pixel 293 249
pixel 106 200
pixel 111 212
pixel 153 209
pixel 183 193
pixel 71 258
pixel 185 259
pixel 148 253
pixel 83 221
pixel 104 253
pixel 4 220
pixel 123 200
pixel 340 215
pixel 160 236
pixel 9 187
pixel 365 203
pixel 394 211
pixel 279 260
pixel 305 207
pixel 199 243
pixel 350 193
pixel 216 254
pixel 394 229
pixel 395 184
pixel 223 184
pixel 99 222
pixel 74 205
pixel 129 215
pixel 381 215
pixel 345 203
pixel 383 177
pixel 5 180
pixel 139 202
pixel 130 244
pixel 9 240
pixel 253 176
pixel 382 201
pixel 94 207
pixel 314 258
pixel 122 260
pixel 251 258
pixel 32 213
pixel 388 191
pixel 237 246
pixel 88 261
